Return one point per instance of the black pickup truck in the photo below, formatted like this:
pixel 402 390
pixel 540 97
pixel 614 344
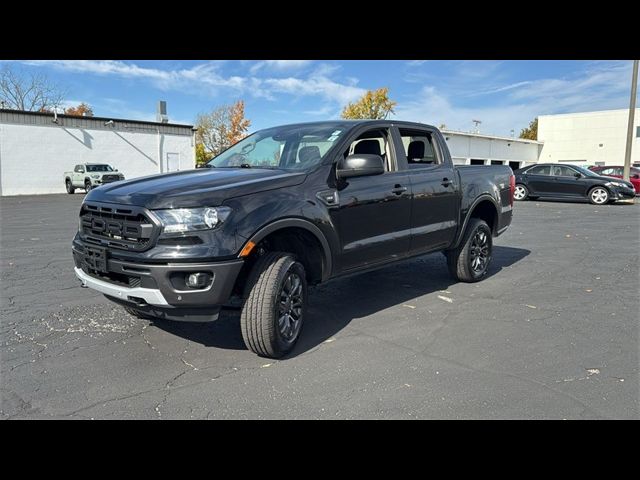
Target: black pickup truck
pixel 285 208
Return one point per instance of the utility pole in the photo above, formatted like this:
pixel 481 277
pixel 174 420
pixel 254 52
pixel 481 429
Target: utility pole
pixel 632 111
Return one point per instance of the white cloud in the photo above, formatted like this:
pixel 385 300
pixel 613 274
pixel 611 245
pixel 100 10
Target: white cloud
pixel 416 63
pixel 279 65
pixel 207 79
pixel 315 85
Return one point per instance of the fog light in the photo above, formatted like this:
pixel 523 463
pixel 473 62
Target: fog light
pixel 198 280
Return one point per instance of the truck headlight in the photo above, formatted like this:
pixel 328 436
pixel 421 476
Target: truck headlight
pixel 179 220
pixel 95 175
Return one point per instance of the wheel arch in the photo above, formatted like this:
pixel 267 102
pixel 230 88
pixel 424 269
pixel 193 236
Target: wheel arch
pixel 285 225
pixel 485 208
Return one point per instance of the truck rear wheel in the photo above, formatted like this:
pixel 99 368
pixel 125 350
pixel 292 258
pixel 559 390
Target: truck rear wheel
pixel 69 185
pixel 470 261
pixel 272 316
pixel 87 186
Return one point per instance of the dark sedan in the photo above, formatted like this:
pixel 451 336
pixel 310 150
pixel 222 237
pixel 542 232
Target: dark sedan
pixel 558 180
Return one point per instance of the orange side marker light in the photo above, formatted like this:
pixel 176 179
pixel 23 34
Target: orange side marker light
pixel 247 249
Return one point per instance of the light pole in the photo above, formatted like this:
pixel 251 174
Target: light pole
pixel 632 111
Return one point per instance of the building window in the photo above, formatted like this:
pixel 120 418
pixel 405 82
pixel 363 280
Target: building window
pixel 638 132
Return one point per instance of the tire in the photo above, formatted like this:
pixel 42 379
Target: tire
pixel 70 189
pixel 521 193
pixel 87 186
pixel 599 196
pixel 138 313
pixel 276 290
pixel 464 263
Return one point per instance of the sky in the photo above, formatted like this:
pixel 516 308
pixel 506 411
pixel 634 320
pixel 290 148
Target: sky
pixel 503 95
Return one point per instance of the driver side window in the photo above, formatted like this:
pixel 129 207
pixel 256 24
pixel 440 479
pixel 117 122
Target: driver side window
pixel 373 142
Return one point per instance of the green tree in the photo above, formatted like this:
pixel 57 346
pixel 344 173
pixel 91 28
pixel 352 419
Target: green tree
pixel 531 132
pixel 201 154
pixel 375 104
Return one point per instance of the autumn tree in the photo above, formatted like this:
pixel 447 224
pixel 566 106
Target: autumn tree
pixel 238 124
pixel 32 93
pixel 531 132
pixel 81 110
pixel 374 104
pixel 219 129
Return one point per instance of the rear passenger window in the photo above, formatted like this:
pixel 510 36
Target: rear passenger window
pixel 541 170
pixel 419 148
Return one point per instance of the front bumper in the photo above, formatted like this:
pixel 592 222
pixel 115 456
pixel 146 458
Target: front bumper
pixel 622 193
pixel 160 287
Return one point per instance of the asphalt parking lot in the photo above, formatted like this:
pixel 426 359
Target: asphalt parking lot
pixel 552 333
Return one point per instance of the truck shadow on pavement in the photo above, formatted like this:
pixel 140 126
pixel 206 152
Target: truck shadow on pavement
pixel 332 306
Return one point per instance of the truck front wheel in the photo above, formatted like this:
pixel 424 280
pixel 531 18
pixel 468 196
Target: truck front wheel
pixel 272 316
pixel 470 261
pixel 87 186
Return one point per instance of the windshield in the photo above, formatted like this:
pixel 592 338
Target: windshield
pixel 293 147
pixel 585 171
pixel 99 168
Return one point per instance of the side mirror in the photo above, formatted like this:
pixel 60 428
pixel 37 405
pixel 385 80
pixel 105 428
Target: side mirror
pixel 360 165
pixel 115 169
pixel 578 175
pixel 637 175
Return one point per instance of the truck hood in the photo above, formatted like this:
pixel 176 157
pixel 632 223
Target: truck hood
pixel 193 188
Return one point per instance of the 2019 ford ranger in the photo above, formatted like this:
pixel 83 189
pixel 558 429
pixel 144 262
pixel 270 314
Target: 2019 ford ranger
pixel 285 208
pixel 90 175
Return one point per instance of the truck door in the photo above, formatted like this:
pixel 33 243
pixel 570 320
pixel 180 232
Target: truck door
pixel 434 215
pixel 78 176
pixel 373 216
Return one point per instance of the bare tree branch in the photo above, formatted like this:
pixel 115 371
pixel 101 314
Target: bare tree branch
pixel 33 92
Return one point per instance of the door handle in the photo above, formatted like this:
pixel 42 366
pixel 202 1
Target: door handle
pixel 446 182
pixel 399 189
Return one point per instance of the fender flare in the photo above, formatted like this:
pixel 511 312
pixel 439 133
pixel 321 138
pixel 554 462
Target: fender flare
pixel 327 262
pixel 476 202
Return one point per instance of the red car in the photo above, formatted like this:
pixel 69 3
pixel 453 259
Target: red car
pixel 615 171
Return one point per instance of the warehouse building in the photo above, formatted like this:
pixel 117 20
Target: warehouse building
pixel 37 148
pixel 477 149
pixel 588 138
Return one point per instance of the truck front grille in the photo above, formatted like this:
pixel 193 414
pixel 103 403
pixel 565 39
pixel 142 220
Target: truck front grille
pixel 125 228
pixel 110 178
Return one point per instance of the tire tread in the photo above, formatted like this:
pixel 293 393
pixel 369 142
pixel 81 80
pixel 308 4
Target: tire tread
pixel 257 320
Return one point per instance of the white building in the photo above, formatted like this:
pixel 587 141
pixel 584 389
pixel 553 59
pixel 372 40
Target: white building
pixel 37 148
pixel 588 138
pixel 477 149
